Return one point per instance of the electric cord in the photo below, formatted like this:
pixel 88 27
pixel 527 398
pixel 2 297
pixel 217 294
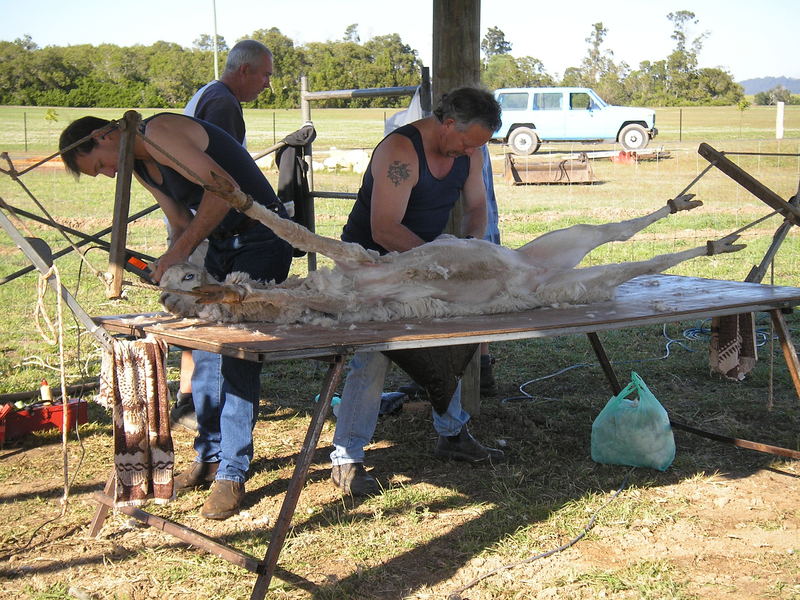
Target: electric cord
pixel 700 332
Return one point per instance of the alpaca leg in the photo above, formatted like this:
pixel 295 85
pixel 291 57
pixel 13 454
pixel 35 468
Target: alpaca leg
pixel 297 235
pixel 598 283
pixel 275 296
pixel 566 248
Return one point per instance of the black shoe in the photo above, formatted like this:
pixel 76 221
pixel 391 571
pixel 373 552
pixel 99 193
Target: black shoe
pixel 183 412
pixel 353 479
pixel 465 447
pixel 488 384
pixel 224 501
pixel 413 390
pixel 199 475
pixel 392 403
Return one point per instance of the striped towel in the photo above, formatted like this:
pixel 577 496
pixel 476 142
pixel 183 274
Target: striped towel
pixel 133 383
pixel 733 350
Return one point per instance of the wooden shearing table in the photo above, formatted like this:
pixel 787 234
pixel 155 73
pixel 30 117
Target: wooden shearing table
pixel 645 300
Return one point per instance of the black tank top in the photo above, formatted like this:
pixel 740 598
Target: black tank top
pixel 429 205
pixel 232 157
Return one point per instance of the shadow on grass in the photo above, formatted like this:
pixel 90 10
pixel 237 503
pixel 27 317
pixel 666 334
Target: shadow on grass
pixel 548 467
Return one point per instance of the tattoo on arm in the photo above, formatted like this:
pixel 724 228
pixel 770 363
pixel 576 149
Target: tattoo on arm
pixel 398 172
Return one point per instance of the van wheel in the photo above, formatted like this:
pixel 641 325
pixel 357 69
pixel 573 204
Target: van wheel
pixel 633 137
pixel 524 141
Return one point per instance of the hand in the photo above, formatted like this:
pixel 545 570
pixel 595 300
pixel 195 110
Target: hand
pixel 169 258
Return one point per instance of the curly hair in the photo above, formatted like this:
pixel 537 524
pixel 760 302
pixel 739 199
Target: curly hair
pixel 468 105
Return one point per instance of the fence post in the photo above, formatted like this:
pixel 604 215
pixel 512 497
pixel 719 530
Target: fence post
pixel 779 121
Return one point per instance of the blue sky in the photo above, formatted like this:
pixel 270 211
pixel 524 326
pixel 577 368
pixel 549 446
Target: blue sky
pixel 749 39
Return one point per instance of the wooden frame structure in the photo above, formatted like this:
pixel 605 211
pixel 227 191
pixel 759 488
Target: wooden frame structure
pixel 645 300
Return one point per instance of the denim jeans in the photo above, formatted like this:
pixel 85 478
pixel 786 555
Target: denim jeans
pixel 361 402
pixel 226 390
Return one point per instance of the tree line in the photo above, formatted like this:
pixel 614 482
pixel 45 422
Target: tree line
pixel 166 75
pixel 672 81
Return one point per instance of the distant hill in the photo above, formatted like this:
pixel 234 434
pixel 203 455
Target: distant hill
pixel 765 84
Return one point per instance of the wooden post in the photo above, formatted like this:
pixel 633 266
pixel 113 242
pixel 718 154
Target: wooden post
pixel 122 200
pixel 425 91
pixel 456 45
pixel 456 63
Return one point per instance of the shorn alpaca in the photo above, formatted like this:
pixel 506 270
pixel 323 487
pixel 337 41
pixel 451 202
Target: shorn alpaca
pixel 447 277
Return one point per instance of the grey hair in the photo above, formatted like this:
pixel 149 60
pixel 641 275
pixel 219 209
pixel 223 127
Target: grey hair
pixel 246 52
pixel 469 105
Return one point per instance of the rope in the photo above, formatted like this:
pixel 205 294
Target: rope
pixel 696 179
pixel 188 171
pixel 58 333
pixel 14 174
pixel 761 153
pixel 712 164
pixel 97 273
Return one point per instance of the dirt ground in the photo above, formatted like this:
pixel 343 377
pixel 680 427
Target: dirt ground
pixel 685 533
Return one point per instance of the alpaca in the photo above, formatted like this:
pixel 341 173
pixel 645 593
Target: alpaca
pixel 447 277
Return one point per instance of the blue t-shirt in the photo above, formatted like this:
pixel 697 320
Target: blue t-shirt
pixel 215 103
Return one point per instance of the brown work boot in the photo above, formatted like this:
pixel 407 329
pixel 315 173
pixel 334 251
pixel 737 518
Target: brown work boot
pixel 199 475
pixel 466 448
pixel 224 501
pixel 353 479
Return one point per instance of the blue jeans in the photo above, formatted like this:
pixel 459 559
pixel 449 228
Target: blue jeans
pixel 361 402
pixel 226 390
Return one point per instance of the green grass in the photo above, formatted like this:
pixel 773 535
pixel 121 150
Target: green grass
pixel 438 526
pixel 36 129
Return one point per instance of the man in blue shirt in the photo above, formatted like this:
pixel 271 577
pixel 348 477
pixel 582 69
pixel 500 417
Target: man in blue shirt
pixel 248 69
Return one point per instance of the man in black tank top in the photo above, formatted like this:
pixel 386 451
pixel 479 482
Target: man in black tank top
pixel 226 390
pixel 416 175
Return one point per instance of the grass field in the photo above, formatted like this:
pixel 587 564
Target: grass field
pixel 720 523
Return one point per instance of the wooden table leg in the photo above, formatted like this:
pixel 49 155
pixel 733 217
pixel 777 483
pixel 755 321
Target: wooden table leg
pixel 789 352
pixel 304 459
pixel 600 352
pixel 102 510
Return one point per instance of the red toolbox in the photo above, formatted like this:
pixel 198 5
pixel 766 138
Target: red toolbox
pixel 21 422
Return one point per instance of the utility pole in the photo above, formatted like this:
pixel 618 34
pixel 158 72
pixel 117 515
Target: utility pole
pixel 216 49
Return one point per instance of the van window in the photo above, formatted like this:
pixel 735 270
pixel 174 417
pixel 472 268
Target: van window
pixel 513 101
pixel 547 101
pixel 579 101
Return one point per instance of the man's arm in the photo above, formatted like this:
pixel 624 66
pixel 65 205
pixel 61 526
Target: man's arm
pixel 177 215
pixel 184 141
pixel 395 171
pixel 474 199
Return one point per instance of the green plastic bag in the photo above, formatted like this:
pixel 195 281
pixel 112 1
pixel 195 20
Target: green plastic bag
pixel 634 432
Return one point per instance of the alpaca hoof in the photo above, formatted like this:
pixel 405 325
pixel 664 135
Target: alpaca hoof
pixel 683 202
pixel 724 245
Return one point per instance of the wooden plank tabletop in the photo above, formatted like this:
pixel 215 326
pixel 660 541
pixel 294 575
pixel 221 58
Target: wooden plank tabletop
pixel 641 301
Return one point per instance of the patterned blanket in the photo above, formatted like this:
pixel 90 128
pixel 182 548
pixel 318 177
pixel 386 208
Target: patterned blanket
pixel 133 385
pixel 733 350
